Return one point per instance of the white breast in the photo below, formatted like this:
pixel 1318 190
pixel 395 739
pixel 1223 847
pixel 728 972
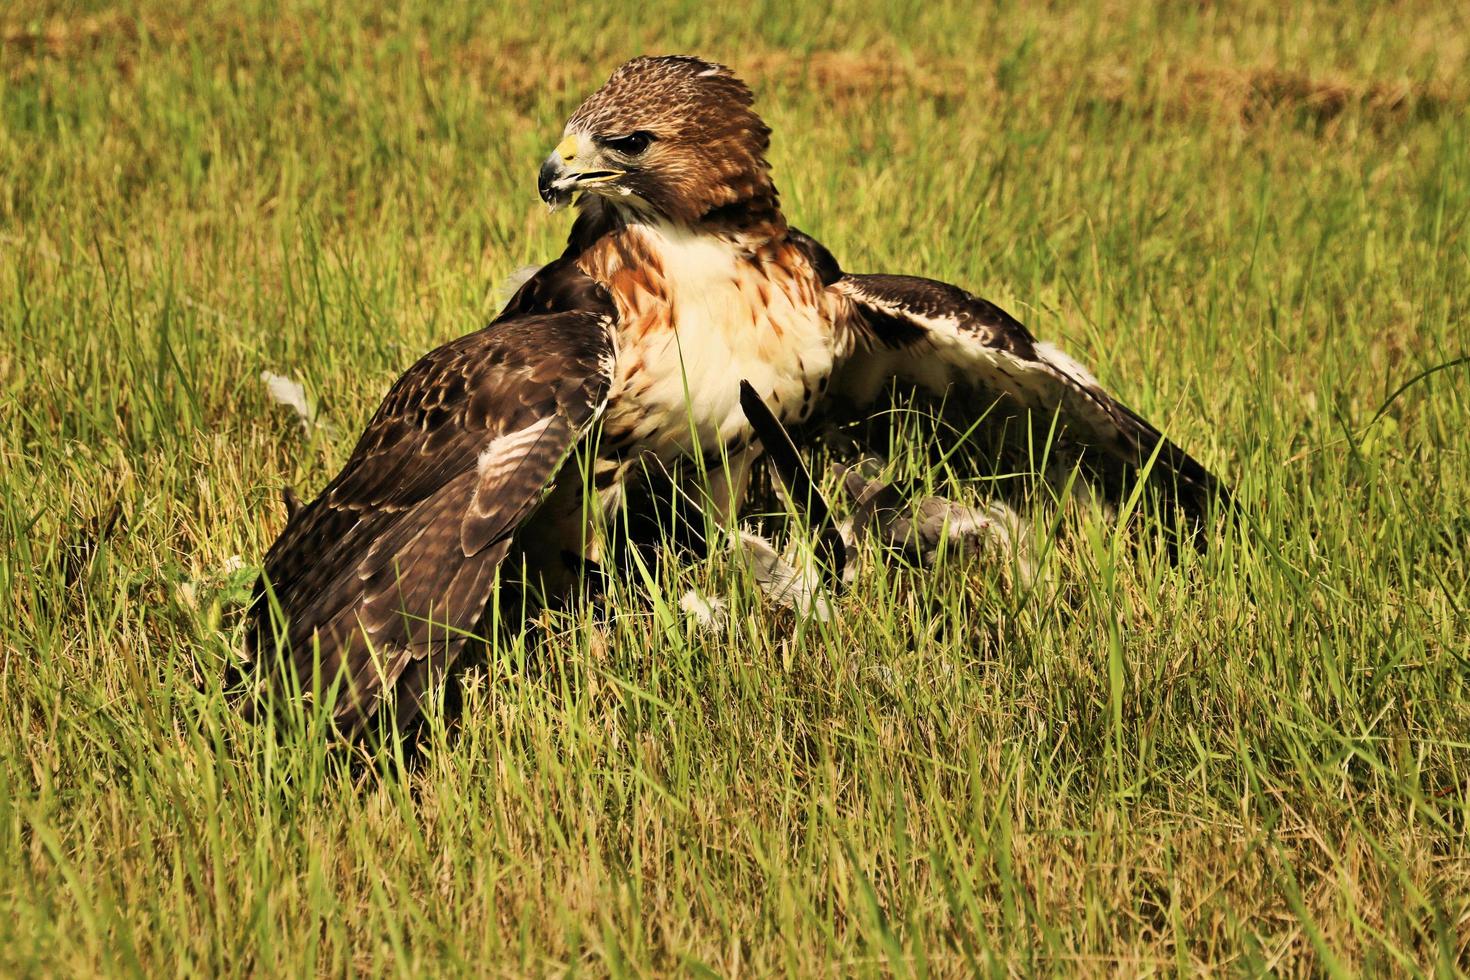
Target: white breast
pixel 736 316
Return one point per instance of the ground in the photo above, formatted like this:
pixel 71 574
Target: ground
pixel 1250 219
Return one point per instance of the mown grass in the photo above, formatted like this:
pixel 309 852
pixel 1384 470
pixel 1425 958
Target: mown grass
pixel 1251 220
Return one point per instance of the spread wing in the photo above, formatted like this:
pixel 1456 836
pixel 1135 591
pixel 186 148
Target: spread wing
pixel 380 579
pixel 941 337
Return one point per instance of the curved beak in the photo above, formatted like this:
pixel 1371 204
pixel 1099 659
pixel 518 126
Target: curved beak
pixel 572 166
pixel 554 183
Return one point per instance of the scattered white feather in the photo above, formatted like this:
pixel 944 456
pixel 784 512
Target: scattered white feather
pixel 513 282
pixel 284 391
pixel 708 614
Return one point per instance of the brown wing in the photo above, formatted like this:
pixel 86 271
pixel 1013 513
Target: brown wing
pixel 940 336
pixel 380 579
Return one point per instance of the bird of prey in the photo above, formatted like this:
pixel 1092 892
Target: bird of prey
pixel 680 279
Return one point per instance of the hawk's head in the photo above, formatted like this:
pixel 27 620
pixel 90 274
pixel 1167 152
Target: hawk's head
pixel 672 136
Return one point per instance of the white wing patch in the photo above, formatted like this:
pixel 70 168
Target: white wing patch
pixel 951 353
pixel 1050 382
pixel 1065 365
pixel 948 354
pixel 504 453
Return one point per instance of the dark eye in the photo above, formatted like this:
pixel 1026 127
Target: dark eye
pixel 630 145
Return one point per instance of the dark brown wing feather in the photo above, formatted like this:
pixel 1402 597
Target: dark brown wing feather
pixel 380 579
pixel 939 335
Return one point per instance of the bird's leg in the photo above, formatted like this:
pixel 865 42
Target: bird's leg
pixel 779 580
pixel 728 485
pixel 793 580
pixel 567 531
pixel 728 482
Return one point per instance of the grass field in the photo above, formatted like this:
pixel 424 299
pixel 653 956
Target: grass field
pixel 1254 223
